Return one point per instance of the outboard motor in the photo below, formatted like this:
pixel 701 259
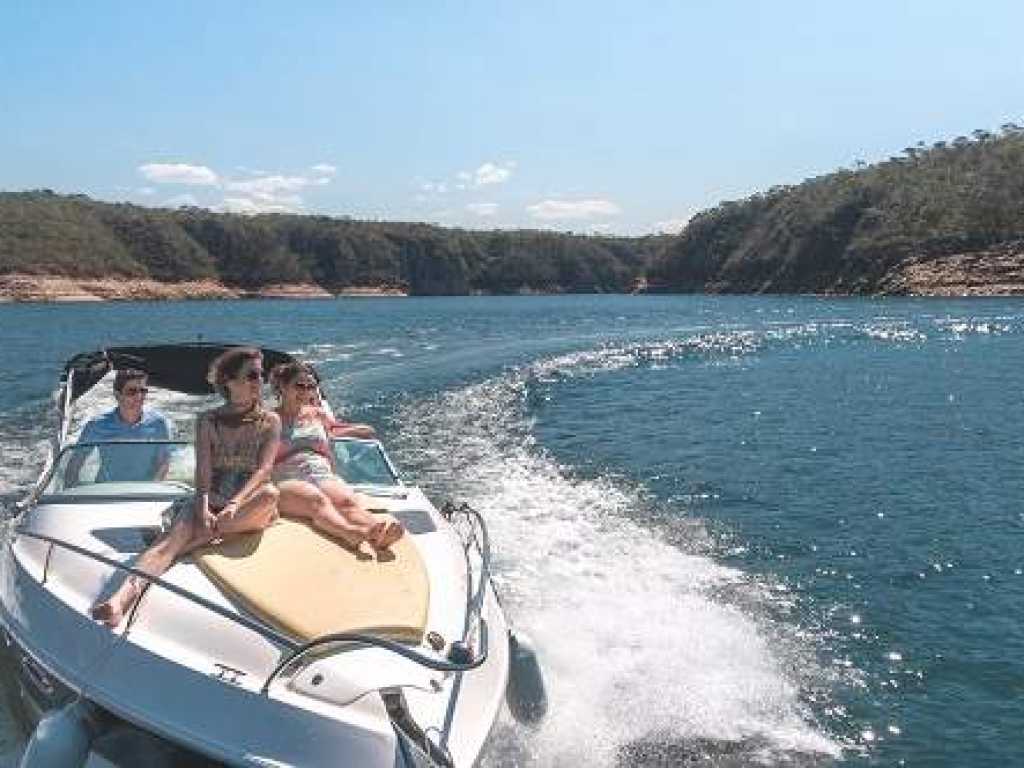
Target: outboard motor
pixel 526 698
pixel 63 737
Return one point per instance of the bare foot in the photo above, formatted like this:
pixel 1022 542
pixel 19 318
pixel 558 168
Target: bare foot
pixel 108 613
pixel 350 540
pixel 112 611
pixel 386 533
pixel 374 534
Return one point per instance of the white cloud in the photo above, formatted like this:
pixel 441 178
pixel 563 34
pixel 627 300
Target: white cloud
pixel 491 173
pixel 488 173
pixel 180 201
pixel 323 173
pixel 240 205
pixel 482 209
pixel 572 209
pixel 179 173
pixel 251 191
pixel 266 194
pixel 248 205
pixel 671 226
pixel 268 188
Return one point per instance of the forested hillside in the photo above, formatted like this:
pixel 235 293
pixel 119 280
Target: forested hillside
pixel 855 231
pixel 942 219
pixel 42 233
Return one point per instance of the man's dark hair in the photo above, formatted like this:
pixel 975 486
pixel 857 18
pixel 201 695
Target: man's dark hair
pixel 125 375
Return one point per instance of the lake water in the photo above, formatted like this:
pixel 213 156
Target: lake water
pixel 777 531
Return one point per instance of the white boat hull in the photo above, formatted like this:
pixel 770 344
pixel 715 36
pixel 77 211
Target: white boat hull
pixel 195 679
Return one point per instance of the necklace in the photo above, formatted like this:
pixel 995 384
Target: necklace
pixel 234 419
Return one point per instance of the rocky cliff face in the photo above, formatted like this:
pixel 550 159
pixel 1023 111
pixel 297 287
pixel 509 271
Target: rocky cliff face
pixel 996 271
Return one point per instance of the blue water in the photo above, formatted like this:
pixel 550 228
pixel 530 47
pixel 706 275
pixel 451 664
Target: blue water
pixel 779 531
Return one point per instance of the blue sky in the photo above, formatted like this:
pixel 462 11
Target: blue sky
pixel 584 116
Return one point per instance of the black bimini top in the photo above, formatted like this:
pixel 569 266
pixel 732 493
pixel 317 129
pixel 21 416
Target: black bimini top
pixel 177 367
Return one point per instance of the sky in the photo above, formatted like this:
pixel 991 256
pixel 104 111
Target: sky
pixel 607 117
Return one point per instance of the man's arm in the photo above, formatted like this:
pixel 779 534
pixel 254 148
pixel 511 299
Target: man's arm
pixel 162 461
pixel 204 476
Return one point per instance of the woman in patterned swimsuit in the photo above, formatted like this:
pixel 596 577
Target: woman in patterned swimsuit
pixel 235 449
pixel 304 466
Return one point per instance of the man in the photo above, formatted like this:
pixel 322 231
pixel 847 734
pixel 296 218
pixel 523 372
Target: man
pixel 130 420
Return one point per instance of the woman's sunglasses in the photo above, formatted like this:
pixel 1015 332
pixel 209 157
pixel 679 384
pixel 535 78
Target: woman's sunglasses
pixel 253 375
pixel 304 385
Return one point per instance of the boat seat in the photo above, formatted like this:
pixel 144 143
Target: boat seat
pixel 309 585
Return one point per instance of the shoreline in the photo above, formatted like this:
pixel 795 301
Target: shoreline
pixel 993 273
pixel 56 289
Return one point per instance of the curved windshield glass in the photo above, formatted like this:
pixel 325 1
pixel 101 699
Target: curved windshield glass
pixel 123 468
pixel 157 467
pixel 362 462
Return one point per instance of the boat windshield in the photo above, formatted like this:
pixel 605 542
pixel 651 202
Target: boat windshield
pixel 362 462
pixel 123 468
pixel 155 467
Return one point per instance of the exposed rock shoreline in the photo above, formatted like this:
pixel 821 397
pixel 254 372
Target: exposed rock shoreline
pixel 52 288
pixel 998 271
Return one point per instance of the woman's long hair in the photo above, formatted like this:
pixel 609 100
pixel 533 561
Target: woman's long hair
pixel 227 365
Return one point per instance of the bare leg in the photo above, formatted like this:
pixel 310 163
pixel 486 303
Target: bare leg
pixel 305 501
pixel 382 533
pixel 256 513
pixel 259 511
pixel 154 562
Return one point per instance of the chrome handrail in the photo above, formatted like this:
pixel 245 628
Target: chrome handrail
pixel 65 409
pixel 483 542
pixel 267 632
pixel 474 606
pixel 294 650
pixel 357 638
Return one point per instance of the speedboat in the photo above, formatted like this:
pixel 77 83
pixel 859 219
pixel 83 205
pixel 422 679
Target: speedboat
pixel 201 672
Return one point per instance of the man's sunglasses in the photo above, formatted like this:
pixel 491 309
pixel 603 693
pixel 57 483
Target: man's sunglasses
pixel 253 375
pixel 133 391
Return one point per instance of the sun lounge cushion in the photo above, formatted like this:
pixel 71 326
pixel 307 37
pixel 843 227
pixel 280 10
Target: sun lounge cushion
pixel 308 585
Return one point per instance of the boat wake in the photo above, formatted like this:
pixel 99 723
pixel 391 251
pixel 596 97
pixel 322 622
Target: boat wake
pixel 646 662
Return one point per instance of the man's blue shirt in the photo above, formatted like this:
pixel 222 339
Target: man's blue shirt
pixel 135 463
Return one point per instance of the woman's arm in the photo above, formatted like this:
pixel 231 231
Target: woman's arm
pixel 204 455
pixel 337 428
pixel 204 474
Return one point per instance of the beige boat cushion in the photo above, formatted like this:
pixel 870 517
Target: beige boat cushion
pixel 308 585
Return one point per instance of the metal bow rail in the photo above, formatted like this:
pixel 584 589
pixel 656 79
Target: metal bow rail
pixel 461 657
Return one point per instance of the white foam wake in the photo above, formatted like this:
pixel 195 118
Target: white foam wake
pixel 633 642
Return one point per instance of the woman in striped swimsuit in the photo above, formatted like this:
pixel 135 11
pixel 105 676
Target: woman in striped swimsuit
pixel 304 466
